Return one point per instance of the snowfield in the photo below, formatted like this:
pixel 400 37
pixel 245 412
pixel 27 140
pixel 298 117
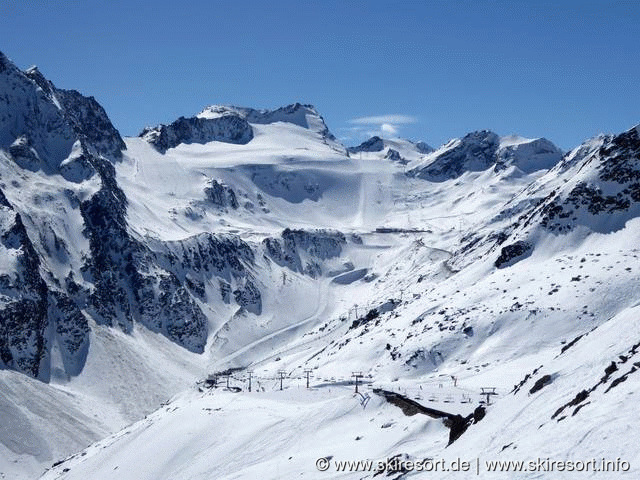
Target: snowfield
pixel 242 242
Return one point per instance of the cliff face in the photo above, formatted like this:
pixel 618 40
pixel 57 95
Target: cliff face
pixel 69 254
pixel 229 128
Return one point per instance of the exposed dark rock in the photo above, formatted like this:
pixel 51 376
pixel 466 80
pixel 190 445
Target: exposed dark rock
pixel 225 291
pixel 23 307
pixel 303 251
pixel 248 296
pixel 25 155
pixel 610 370
pixel 513 253
pixel 374 144
pixel 541 383
pixel 622 378
pixel 479 413
pixel 476 151
pixel 71 331
pixel 57 132
pixel 394 156
pixel 229 128
pixel 297 113
pixel 456 423
pixel 221 195
pixel 609 185
pixel 91 123
pixel 423 148
pixel 579 398
pixel 518 386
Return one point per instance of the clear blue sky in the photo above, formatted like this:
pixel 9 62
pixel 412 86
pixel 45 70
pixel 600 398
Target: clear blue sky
pixel 565 70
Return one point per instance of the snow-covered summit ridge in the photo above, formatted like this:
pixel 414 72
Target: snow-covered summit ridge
pixel 528 154
pixel 483 149
pixel 594 188
pixel 397 150
pixel 231 124
pixel 303 115
pixel 373 144
pixel 228 128
pixel 256 254
pixel 45 122
pixel 378 144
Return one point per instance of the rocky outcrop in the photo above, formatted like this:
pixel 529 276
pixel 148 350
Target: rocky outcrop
pixel 373 144
pixel 481 150
pixel 595 186
pixel 91 124
pixel 204 258
pixel 303 251
pixel 71 331
pixel 513 253
pixel 456 423
pixel 32 119
pixel 475 151
pixel 221 195
pixel 424 148
pixel 23 299
pixel 394 156
pixel 303 115
pixel 600 187
pixel 129 281
pixel 229 128
pixel 56 132
pixel 114 277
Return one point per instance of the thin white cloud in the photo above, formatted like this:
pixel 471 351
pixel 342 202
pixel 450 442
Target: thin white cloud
pixel 391 119
pixel 386 126
pixel 389 130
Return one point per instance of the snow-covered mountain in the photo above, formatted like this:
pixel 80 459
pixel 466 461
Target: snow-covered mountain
pixel 477 151
pixel 395 149
pixel 241 240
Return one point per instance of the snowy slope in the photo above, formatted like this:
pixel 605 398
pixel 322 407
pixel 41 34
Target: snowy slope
pixel 487 326
pixel 537 322
pixel 393 149
pixel 251 239
pixel 477 151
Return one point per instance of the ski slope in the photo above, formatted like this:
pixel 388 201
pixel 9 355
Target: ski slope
pixel 435 273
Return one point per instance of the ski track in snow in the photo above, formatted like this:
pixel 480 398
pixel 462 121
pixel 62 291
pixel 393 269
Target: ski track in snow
pixel 418 305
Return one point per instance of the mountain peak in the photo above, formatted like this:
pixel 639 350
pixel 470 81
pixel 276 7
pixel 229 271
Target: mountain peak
pixel 301 114
pixel 528 154
pixel 424 147
pixel 232 124
pixel 473 152
pixel 482 149
pixel 401 146
pixel 373 144
pixel 228 127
